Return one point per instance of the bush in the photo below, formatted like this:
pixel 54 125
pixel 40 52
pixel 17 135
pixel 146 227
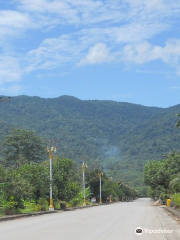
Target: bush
pixel 8 206
pixel 33 207
pixel 78 200
pixel 176 199
pixel 43 203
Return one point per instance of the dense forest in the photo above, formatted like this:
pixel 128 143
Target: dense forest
pixel 163 178
pixel 116 137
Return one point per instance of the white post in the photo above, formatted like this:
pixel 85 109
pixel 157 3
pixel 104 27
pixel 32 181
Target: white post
pixel 100 175
pixel 84 189
pixel 50 151
pixel 100 199
pixel 51 207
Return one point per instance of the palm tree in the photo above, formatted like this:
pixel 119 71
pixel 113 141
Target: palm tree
pixel 178 122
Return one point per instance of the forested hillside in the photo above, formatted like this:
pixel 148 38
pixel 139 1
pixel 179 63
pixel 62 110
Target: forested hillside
pixel 118 137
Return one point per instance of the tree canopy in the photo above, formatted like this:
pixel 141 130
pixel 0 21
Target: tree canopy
pixel 120 137
pixel 163 176
pixel 23 145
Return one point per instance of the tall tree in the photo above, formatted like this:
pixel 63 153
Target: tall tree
pixel 178 122
pixel 23 145
pixel 65 179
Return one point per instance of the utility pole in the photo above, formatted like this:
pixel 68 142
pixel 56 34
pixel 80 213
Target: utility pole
pixel 100 176
pixel 84 166
pixel 50 151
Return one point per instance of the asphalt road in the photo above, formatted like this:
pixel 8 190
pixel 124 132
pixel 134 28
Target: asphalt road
pixel 106 222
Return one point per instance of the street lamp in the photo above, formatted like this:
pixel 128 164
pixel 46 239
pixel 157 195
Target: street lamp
pixel 84 166
pixel 100 176
pixel 50 151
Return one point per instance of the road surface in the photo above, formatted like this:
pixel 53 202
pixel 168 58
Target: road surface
pixel 116 221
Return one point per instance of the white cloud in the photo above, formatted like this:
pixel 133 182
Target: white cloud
pixel 14 19
pixel 52 53
pixel 171 51
pixel 153 4
pixel 99 53
pixel 11 90
pixel 145 52
pixel 89 12
pixel 10 70
pixel 86 32
pixel 13 24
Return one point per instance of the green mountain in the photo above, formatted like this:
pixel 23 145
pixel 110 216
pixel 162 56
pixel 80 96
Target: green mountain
pixel 118 137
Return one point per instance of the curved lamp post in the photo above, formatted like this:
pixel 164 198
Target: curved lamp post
pixel 50 151
pixel 84 166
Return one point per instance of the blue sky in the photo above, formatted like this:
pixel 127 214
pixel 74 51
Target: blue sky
pixel 120 50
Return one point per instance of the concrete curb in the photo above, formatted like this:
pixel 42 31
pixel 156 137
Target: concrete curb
pixel 173 211
pixel 18 216
pixel 82 207
pixel 12 217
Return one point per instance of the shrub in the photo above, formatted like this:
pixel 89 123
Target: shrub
pixel 78 200
pixel 43 203
pixel 176 199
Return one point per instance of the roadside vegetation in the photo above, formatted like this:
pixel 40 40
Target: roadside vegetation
pixel 25 181
pixel 163 177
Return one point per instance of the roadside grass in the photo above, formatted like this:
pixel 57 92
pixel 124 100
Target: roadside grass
pixel 176 200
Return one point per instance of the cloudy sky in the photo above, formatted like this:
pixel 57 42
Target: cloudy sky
pixel 120 50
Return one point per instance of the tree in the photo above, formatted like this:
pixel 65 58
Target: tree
pixel 37 175
pixel 162 176
pixel 178 122
pixel 17 189
pixel 175 185
pixel 92 180
pixel 157 176
pixel 2 183
pixel 65 179
pixel 25 145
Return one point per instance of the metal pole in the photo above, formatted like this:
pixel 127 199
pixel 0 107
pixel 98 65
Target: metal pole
pixel 51 207
pixel 100 199
pixel 50 151
pixel 84 189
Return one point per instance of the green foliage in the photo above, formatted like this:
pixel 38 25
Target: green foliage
pixel 65 178
pixel 27 187
pixel 115 190
pixel 17 188
pixel 163 176
pixel 175 185
pixel 92 180
pixel 178 122
pixel 128 134
pixel 30 181
pixel 78 199
pixel 9 204
pixel 37 176
pixel 23 145
pixel 176 199
pixel 32 206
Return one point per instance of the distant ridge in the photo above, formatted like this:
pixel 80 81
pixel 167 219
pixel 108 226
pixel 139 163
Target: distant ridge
pixel 93 129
